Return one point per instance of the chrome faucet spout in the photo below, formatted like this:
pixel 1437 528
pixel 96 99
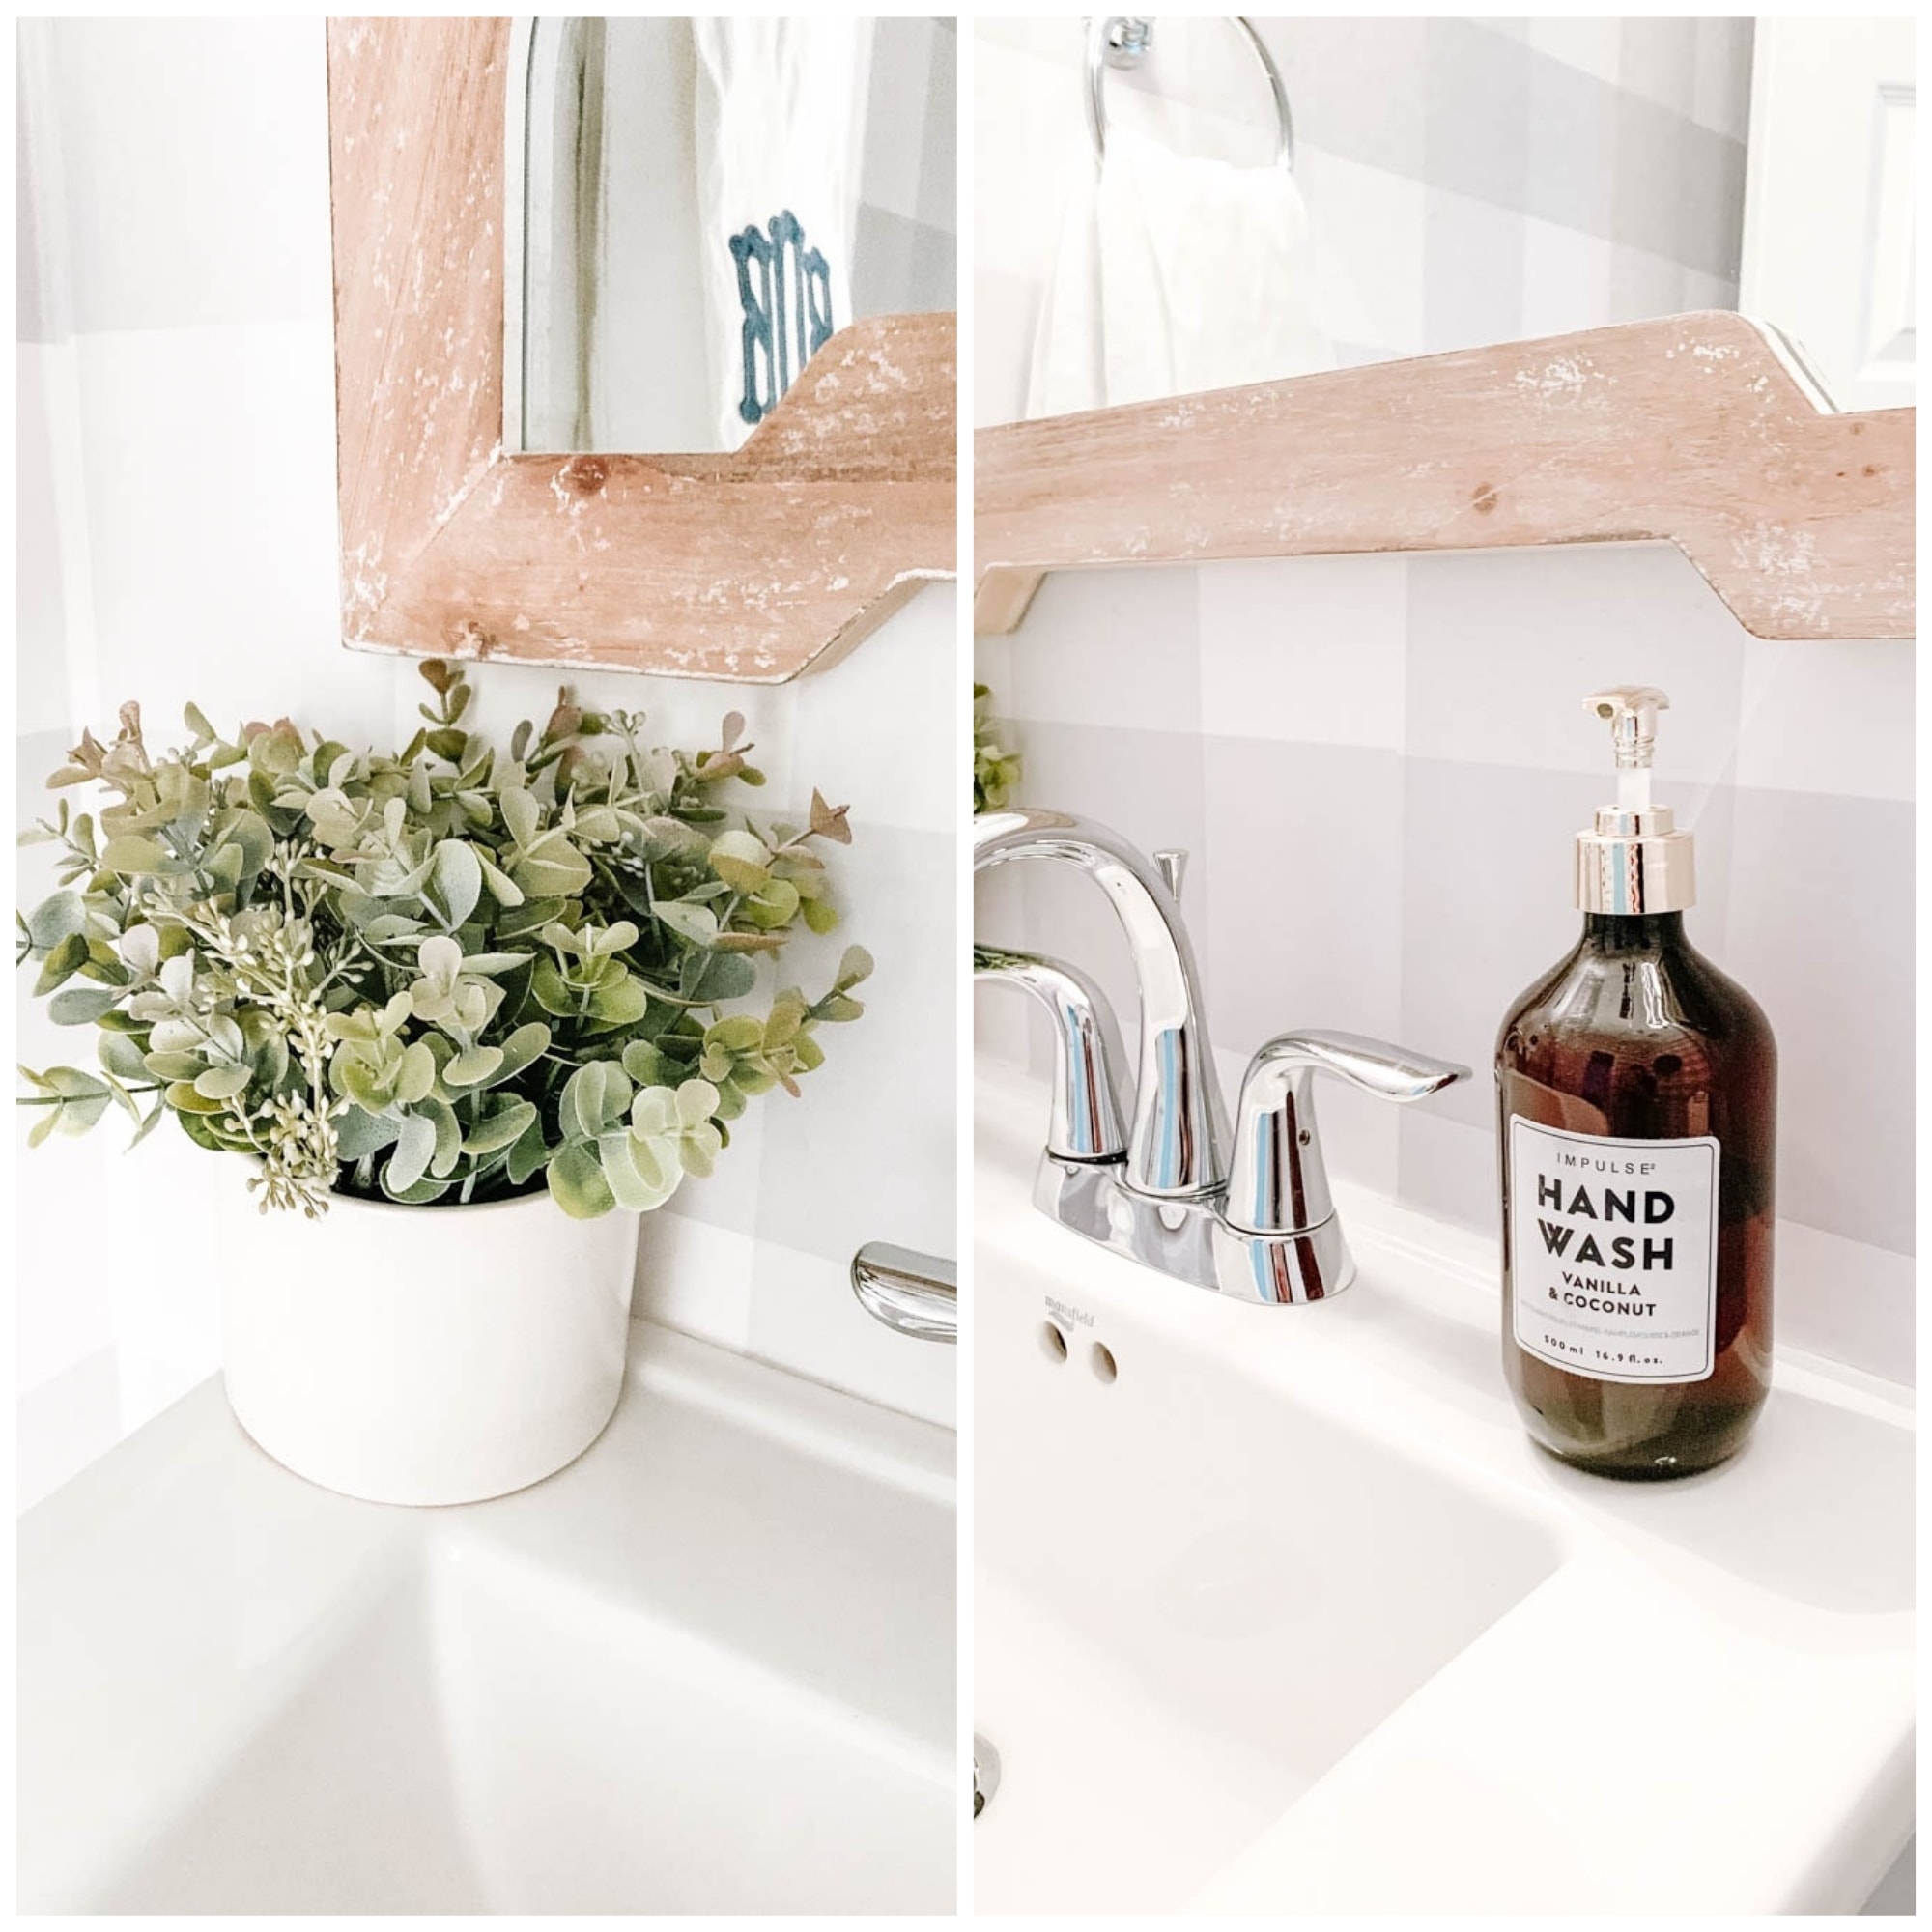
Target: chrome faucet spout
pixel 1175 1145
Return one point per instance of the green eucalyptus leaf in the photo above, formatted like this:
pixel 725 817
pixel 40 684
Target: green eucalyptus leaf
pixel 72 1101
pixel 353 1081
pixel 133 857
pixel 646 1064
pixel 576 1184
pixel 61 917
pixel 223 1083
pixel 617 937
pixel 271 1061
pixel 67 956
pixel 530 1151
pixel 502 888
pixel 457 880
pixel 775 906
pixel 120 1057
pixel 415 1146
pixel 420 1195
pixel 390 925
pixel 548 989
pixel 448 1137
pixel 182 1097
pixel 620 1004
pixel 494 962
pixel 530 917
pixel 639 1179
pixel 524 1048
pixel 473 1067
pixel 707 977
pixel 82 1005
pixel 595 1094
pixel 695 922
pixel 417 1076
pixel 740 1033
pixel 171 1066
pixel 248 832
pixel 522 813
pixel 360 1133
pixel 103 964
pixel 500 1130
pixel 553 868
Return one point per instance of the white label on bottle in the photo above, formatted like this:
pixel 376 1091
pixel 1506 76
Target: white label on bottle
pixel 1613 1253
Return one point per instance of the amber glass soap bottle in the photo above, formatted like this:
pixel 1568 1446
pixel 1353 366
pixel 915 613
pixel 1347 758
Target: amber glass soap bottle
pixel 1636 1090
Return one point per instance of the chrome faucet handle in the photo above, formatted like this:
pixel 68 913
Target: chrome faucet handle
pixel 1089 1121
pixel 1279 1182
pixel 917 1295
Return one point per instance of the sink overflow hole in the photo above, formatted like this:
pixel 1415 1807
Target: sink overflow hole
pixel 1104 1366
pixel 1052 1343
pixel 985 1773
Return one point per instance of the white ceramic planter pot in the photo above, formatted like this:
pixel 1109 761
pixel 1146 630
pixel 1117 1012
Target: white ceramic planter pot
pixel 424 1354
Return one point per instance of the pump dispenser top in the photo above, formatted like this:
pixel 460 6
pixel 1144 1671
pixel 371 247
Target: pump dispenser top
pixel 1634 860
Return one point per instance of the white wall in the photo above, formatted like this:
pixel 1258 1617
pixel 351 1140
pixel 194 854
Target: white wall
pixel 178 540
pixel 1380 761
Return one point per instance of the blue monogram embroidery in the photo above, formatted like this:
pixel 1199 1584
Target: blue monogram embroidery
pixel 787 313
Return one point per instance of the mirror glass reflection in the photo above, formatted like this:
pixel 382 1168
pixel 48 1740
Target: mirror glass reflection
pixel 1175 203
pixel 705 203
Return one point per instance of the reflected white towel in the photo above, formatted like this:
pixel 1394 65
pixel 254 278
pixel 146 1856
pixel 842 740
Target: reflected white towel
pixel 1175 274
pixel 780 131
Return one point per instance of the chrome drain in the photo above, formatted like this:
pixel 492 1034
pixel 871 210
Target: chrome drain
pixel 985 1773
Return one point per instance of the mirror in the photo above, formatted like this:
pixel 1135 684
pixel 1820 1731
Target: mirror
pixel 697 206
pixel 1448 185
pixel 756 565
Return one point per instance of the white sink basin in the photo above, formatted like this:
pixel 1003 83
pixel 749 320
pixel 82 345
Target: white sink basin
pixel 709 1667
pixel 1290 1617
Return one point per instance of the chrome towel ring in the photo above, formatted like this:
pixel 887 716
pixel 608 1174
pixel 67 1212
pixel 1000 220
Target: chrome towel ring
pixel 1116 42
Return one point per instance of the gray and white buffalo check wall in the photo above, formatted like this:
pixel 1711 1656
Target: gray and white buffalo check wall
pixel 1378 762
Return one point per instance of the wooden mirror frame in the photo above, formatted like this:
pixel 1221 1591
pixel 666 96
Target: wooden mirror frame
pixel 1702 430
pixel 752 566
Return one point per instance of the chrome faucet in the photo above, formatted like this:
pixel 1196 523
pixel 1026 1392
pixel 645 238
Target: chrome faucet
pixel 1179 1125
pixel 912 1293
pixel 1259 1224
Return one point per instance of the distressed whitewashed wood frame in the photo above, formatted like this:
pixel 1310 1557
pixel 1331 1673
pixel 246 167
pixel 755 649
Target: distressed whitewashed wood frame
pixel 753 566
pixel 1697 430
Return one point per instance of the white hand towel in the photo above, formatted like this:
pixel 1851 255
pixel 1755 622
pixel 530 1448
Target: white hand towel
pixel 1175 274
pixel 781 136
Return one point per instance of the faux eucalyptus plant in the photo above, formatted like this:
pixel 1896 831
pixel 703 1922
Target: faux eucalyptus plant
pixel 995 771
pixel 435 977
